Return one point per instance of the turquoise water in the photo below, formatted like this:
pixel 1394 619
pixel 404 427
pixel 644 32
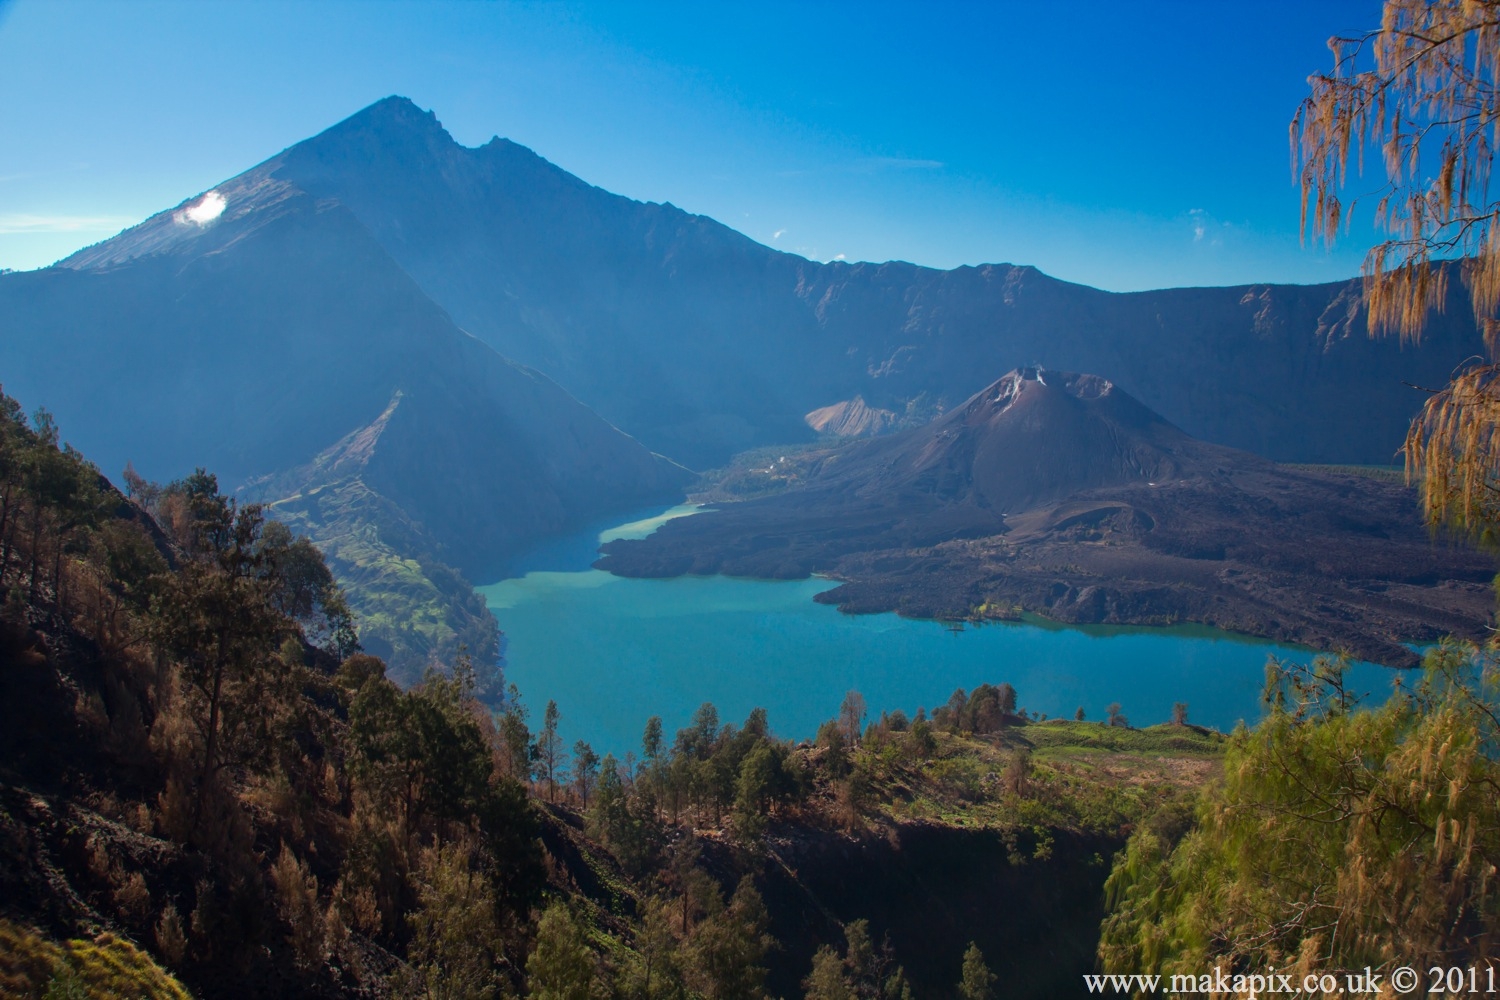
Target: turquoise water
pixel 614 651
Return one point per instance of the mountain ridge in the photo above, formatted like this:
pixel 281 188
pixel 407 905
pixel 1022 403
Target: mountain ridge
pixel 738 340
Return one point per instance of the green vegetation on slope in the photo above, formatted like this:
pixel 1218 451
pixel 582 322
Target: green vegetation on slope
pixel 760 472
pixel 105 968
pixel 413 609
pixel 1337 839
pixel 194 760
pixel 1086 777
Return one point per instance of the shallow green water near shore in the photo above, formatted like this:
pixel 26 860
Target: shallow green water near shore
pixel 613 651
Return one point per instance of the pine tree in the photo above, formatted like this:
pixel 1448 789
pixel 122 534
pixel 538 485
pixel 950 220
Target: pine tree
pixel 977 982
pixel 549 749
pixel 453 929
pixel 852 717
pixel 561 966
pixel 729 948
pixel 586 769
pixel 827 980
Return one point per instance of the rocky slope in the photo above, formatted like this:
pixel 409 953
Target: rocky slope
pixel 851 418
pixel 733 342
pixel 279 336
pixel 1059 494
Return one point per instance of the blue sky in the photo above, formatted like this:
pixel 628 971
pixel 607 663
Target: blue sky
pixel 1126 146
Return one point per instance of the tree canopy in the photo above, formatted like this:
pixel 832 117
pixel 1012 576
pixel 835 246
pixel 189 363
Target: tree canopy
pixel 1419 95
pixel 1337 839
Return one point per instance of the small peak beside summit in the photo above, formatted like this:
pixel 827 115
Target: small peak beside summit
pixel 1080 385
pixel 390 116
pixel 396 108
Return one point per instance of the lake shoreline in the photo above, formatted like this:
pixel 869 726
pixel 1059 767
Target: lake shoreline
pixel 1370 589
pixel 614 650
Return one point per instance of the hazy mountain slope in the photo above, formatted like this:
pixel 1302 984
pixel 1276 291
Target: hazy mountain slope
pixel 253 343
pixel 702 342
pixel 1286 371
pixel 641 310
pixel 267 337
pixel 257 346
pixel 1059 494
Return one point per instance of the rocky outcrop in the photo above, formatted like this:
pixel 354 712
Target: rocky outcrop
pixel 851 418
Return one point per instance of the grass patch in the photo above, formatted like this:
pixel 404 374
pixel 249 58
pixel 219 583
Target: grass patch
pixel 1159 740
pixel 1083 776
pixel 106 967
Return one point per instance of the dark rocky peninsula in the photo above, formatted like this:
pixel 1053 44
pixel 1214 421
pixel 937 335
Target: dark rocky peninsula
pixel 1059 494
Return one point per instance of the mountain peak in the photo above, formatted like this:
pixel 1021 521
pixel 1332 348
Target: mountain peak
pixel 390 121
pixel 1035 386
pixel 1032 437
pixel 395 112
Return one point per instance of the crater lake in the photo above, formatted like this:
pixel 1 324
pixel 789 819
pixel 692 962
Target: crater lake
pixel 613 651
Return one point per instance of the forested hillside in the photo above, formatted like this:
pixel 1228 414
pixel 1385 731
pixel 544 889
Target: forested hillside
pixel 205 787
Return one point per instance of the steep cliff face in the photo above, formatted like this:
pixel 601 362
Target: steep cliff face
pixel 701 342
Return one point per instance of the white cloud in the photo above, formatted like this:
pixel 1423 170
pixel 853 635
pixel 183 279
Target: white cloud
pixel 24 223
pixel 203 211
pixel 1208 230
pixel 778 234
pixel 1200 224
pixel 839 257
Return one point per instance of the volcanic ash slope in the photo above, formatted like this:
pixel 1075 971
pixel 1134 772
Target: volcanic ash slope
pixel 1060 494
